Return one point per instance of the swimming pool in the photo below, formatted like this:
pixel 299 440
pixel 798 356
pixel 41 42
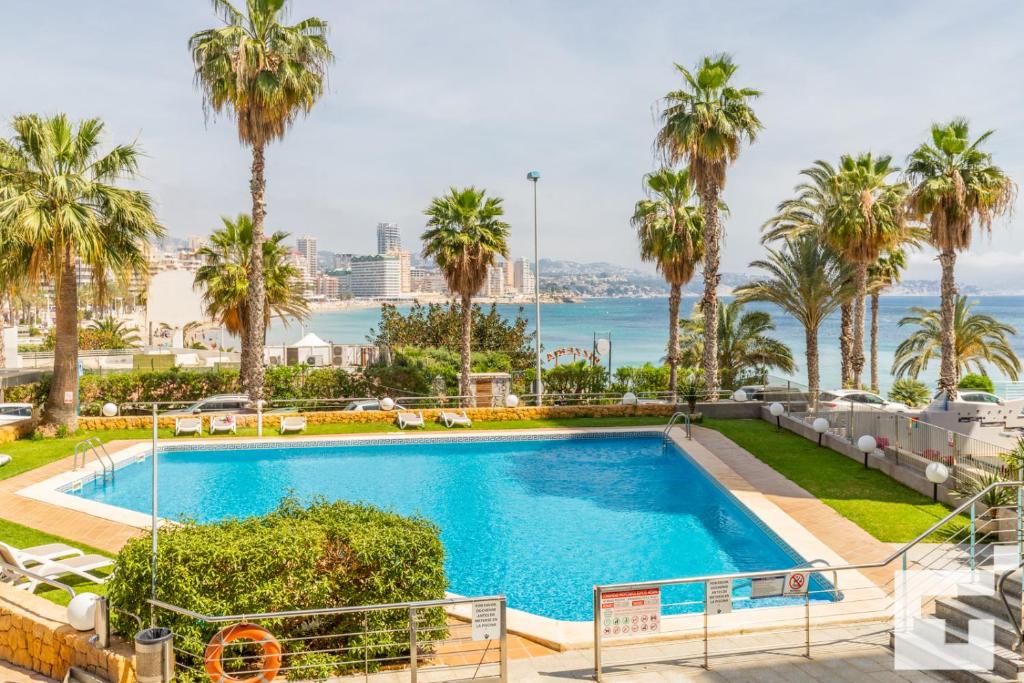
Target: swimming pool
pixel 540 520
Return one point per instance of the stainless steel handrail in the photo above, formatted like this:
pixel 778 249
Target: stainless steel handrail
pixel 1006 603
pixel 93 444
pixel 672 423
pixel 38 577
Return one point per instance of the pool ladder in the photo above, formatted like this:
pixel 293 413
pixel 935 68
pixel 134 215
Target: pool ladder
pixel 672 423
pixel 95 446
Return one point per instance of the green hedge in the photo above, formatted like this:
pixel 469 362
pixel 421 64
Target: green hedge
pixel 324 555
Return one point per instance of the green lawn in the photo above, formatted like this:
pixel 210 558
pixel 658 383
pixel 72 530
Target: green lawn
pixel 884 508
pixel 23 537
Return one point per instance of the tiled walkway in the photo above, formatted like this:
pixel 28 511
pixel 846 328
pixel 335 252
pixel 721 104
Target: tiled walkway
pixel 15 674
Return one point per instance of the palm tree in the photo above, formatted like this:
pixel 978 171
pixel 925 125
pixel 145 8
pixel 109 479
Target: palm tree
pixel 224 278
pixel 745 351
pixel 980 340
pixel 264 73
pixel 705 123
pixel 112 333
pixel 465 235
pixel 809 282
pixel 670 230
pixel 955 185
pixel 882 274
pixel 61 207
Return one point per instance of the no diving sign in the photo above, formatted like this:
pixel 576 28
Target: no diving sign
pixel 796 584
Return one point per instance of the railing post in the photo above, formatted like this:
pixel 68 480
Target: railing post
pixel 503 644
pixel 973 528
pixel 807 621
pixel 707 664
pixel 413 647
pixel 597 633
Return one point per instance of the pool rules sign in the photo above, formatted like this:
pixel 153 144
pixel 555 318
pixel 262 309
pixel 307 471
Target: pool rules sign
pixel 486 622
pixel 631 612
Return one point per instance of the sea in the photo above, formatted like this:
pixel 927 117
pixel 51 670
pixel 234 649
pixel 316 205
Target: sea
pixel 638 329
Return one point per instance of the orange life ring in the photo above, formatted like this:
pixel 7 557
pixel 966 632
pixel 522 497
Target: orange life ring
pixel 243 631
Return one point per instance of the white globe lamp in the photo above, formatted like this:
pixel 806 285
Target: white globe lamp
pixel 511 401
pixel 82 611
pixel 937 473
pixel 820 425
pixel 866 445
pixel 387 403
pixel 629 399
pixel 777 409
pixel 739 396
pixel 109 410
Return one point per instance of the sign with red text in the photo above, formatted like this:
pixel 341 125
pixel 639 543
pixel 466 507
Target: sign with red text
pixel 631 612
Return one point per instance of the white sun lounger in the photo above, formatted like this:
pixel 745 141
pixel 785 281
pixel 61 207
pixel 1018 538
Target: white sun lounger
pixel 188 425
pixel 295 423
pixel 223 423
pixel 408 419
pixel 456 419
pixel 50 551
pixel 82 566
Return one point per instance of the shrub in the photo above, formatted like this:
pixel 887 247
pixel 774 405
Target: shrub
pixel 412 370
pixel 977 382
pixel 913 392
pixel 646 378
pixel 324 555
pixel 575 378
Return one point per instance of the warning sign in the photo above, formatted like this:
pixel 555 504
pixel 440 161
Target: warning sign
pixel 796 584
pixel 486 620
pixel 767 586
pixel 631 612
pixel 718 596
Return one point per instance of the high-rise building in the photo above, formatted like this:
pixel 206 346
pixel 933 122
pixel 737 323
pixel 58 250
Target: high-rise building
pixel 196 242
pixel 342 261
pixel 376 276
pixel 307 247
pixel 389 238
pixel 524 276
pixel 510 275
pixel 495 286
pixel 427 280
pixel 405 266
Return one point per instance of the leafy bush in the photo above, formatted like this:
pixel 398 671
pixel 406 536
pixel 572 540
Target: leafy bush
pixel 977 382
pixel 646 378
pixel 575 378
pixel 412 370
pixel 913 392
pixel 324 555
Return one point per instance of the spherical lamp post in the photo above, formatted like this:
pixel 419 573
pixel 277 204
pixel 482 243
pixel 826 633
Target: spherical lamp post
pixel 820 425
pixel 82 611
pixel 109 410
pixel 511 401
pixel 777 409
pixel 937 473
pixel 866 445
pixel 387 403
pixel 629 399
pixel 739 396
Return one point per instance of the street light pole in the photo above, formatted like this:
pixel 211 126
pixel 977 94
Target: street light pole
pixel 533 177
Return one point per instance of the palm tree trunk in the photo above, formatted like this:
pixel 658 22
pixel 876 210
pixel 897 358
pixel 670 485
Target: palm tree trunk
pixel 675 294
pixel 60 403
pixel 467 319
pixel 813 370
pixel 860 280
pixel 874 342
pixel 948 367
pixel 252 342
pixel 845 341
pixel 709 303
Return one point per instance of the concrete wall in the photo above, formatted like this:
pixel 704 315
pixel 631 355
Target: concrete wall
pixel 34 634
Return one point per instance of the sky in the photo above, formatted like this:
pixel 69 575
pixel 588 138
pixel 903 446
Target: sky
pixel 426 95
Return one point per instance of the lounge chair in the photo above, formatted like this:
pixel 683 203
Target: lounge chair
pixel 223 423
pixel 407 419
pixel 295 423
pixel 51 551
pixel 456 419
pixel 188 425
pixel 82 566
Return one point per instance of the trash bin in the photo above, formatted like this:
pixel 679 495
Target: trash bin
pixel 154 655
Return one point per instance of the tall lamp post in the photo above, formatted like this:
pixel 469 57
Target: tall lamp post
pixel 533 177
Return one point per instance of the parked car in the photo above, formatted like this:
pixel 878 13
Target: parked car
pixel 368 404
pixel 14 412
pixel 859 400
pixel 771 392
pixel 218 405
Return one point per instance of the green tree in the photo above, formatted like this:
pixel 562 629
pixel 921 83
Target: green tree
pixel 981 340
pixel 976 381
pixel 808 281
pixel 669 227
pixel 745 351
pixel 705 123
pixel 465 235
pixel 882 275
pixel 61 207
pixel 111 333
pixel 223 278
pixel 911 392
pixel 955 186
pixel 263 73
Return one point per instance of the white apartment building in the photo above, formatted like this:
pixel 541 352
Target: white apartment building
pixel 495 285
pixel 376 276
pixel 405 265
pixel 510 276
pixel 389 238
pixel 524 276
pixel 426 280
pixel 307 247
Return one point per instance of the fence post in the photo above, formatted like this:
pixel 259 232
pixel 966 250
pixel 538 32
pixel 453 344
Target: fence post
pixel 503 644
pixel 413 647
pixel 972 537
pixel 807 620
pixel 597 633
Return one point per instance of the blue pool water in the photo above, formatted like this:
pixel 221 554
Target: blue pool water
pixel 540 521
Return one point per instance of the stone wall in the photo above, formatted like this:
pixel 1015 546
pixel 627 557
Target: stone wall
pixel 34 634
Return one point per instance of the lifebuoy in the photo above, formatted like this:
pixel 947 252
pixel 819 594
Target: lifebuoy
pixel 244 631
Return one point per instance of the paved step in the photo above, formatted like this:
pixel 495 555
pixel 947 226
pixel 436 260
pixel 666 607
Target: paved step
pixel 958 612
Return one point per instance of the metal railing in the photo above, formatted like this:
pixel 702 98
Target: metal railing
pixel 93 445
pixel 675 419
pixel 961 539
pixel 6 569
pixel 432 637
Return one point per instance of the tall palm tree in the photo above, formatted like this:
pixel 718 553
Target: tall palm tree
pixel 705 124
pixel 980 340
pixel 745 351
pixel 465 236
pixel 263 73
pixel 955 186
pixel 808 281
pixel 882 275
pixel 111 333
pixel 62 207
pixel 224 278
pixel 669 227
